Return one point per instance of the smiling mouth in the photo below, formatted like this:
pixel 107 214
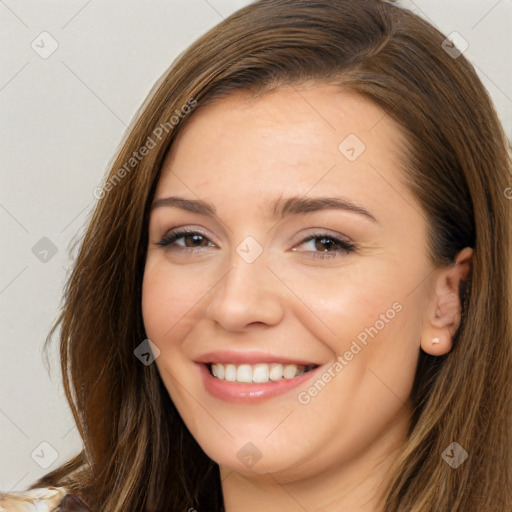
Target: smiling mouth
pixel 259 373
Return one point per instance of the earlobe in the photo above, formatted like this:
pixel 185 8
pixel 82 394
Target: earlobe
pixel 444 311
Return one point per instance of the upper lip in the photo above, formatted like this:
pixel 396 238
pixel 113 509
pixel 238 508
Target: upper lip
pixel 249 357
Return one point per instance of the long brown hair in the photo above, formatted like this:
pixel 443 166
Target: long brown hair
pixel 138 455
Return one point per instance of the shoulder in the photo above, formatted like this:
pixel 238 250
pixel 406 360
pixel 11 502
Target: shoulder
pixel 44 499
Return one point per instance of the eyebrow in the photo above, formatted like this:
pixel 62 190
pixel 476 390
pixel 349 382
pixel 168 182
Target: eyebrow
pixel 281 208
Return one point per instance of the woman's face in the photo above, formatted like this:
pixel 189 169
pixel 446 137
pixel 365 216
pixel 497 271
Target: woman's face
pixel 302 249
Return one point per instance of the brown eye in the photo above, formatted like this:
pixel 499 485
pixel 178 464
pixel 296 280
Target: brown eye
pixel 326 244
pixel 191 239
pixel 196 240
pixel 323 245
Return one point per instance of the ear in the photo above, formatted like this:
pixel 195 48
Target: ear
pixel 443 312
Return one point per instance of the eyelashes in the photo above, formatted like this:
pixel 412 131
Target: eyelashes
pixel 343 246
pixel 170 238
pixel 195 241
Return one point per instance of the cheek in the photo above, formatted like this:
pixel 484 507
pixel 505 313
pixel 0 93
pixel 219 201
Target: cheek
pixel 367 315
pixel 170 297
pixel 341 303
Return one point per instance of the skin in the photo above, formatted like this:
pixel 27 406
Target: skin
pixel 241 153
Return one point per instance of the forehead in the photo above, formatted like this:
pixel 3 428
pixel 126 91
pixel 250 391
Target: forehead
pixel 315 139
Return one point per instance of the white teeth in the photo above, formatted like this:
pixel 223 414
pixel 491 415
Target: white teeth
pixel 276 372
pixel 261 372
pixel 230 372
pixel 289 371
pixel 244 373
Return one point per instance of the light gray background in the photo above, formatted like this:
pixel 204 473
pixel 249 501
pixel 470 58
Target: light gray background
pixel 62 119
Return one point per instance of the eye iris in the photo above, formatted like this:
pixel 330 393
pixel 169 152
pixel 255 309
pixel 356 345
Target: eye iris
pixel 325 241
pixel 195 238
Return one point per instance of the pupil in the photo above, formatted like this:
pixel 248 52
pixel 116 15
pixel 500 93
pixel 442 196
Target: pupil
pixel 325 242
pixel 195 239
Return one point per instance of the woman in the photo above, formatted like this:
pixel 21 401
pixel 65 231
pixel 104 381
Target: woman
pixel 295 288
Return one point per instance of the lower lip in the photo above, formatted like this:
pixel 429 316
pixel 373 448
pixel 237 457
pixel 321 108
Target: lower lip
pixel 250 393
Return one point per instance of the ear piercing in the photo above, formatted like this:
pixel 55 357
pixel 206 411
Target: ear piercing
pixel 435 340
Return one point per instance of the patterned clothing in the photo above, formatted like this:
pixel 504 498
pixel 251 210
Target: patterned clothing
pixel 46 499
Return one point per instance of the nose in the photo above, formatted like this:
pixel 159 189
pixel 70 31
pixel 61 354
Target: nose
pixel 248 294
